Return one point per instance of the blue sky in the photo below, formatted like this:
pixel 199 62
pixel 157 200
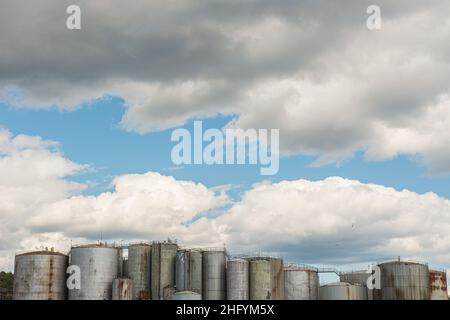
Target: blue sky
pixel 371 106
pixel 92 135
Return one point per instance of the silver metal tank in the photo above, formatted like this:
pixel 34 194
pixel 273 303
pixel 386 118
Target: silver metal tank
pixel 238 279
pixel 189 271
pixel 186 295
pixel 139 264
pixel 99 266
pixel 122 289
pixel 343 291
pixel 359 277
pixel 301 283
pixel 214 274
pixel 266 278
pixel 163 268
pixel 40 275
pixel 401 280
pixel 438 285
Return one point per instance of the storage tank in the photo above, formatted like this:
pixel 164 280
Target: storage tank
pixel 343 291
pixel 401 280
pixel 238 279
pixel 189 271
pixel 163 268
pixel 359 277
pixel 122 289
pixel 99 266
pixel 301 283
pixel 40 275
pixel 139 264
pixel 214 273
pixel 186 295
pixel 266 278
pixel 438 285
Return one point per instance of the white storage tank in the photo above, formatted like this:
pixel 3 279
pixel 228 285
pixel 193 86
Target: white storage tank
pixel 40 275
pixel 343 291
pixel 238 279
pixel 403 280
pixel 266 278
pixel 163 268
pixel 301 283
pixel 99 266
pixel 214 273
pixel 189 271
pixel 138 269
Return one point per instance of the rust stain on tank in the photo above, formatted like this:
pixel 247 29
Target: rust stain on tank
pixel 51 278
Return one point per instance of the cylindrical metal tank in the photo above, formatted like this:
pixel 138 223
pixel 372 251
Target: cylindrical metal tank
pixel 122 289
pixel 438 285
pixel 358 277
pixel 343 291
pixel 163 268
pixel 189 271
pixel 139 264
pixel 186 295
pixel 214 275
pixel 98 265
pixel 238 279
pixel 40 275
pixel 401 280
pixel 266 278
pixel 301 283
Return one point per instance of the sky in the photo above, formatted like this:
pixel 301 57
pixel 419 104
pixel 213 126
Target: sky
pixel 86 118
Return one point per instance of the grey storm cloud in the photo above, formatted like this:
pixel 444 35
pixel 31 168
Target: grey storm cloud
pixel 311 68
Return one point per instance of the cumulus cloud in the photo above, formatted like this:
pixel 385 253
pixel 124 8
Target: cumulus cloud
pixel 309 67
pixel 149 206
pixel 339 221
pixel 33 174
pixel 334 221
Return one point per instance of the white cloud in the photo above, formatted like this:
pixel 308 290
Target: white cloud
pixel 339 221
pixel 33 174
pixel 310 68
pixel 149 206
pixel 334 221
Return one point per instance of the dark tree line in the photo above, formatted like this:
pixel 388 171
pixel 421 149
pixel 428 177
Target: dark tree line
pixel 6 281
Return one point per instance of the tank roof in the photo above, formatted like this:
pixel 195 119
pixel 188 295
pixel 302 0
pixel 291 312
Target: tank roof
pixel 342 284
pixel 96 245
pixel 41 253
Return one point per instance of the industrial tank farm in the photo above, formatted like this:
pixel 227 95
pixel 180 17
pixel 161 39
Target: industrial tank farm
pixel 164 271
pixel 40 275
